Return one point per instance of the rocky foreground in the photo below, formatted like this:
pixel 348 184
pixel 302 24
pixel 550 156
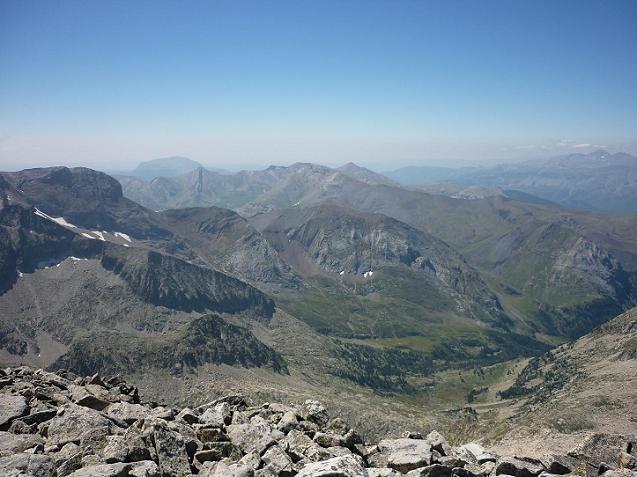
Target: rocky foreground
pixel 58 424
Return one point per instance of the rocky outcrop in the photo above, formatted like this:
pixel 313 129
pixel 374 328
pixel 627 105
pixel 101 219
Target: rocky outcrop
pixel 59 424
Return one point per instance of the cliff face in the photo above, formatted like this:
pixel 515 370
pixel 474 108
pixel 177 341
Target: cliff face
pixel 58 424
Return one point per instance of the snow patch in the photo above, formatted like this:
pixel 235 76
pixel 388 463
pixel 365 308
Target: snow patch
pixel 342 272
pixel 88 236
pixel 100 235
pixel 123 235
pixel 20 274
pixel 58 220
pixel 368 274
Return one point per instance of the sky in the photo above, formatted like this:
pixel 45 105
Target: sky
pixel 251 83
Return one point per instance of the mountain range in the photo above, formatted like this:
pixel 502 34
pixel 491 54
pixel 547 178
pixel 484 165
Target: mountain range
pixel 295 281
pixel 597 181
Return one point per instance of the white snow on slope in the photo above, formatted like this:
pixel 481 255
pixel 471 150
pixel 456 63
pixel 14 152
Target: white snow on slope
pixel 57 220
pixel 123 235
pixel 100 235
pixel 88 236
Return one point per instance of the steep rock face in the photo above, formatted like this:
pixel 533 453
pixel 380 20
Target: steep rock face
pixel 339 239
pixel 168 281
pixel 54 424
pixel 228 242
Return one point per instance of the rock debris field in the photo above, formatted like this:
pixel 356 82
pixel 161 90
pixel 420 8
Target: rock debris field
pixel 59 424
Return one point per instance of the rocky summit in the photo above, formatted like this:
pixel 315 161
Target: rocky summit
pixel 59 424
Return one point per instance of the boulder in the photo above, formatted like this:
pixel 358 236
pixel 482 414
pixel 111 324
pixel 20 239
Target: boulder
pixel 103 470
pixel 517 468
pixel 345 466
pixel 72 422
pixel 171 452
pixel 217 416
pixel 314 411
pixel 10 408
pixel 126 412
pixel 255 436
pixel 404 454
pixel 222 469
pixel 434 470
pixel 31 465
pixel 15 443
pixel 278 462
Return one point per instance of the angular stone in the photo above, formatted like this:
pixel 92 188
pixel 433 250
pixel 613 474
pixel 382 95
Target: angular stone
pixel 187 415
pixel 211 434
pixel 382 472
pixel 600 448
pixel 10 408
pixel 314 411
pixel 126 412
pixel 103 470
pixel 300 447
pixel 473 452
pixel 14 443
pixel 217 416
pixel 288 422
pixel 434 470
pixel 214 451
pixel 72 422
pixel 31 465
pixel 125 449
pixel 278 461
pixel 330 440
pixel 145 468
pixel 405 454
pixel 93 402
pixel 222 469
pixel 517 468
pixel 251 437
pixel 345 466
pixel 171 452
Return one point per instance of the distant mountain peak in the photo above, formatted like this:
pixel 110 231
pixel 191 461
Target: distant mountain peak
pixel 165 167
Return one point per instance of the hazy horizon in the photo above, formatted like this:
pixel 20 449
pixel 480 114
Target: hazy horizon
pixel 380 84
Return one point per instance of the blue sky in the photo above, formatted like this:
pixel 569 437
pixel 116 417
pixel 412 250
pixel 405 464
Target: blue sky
pixel 252 83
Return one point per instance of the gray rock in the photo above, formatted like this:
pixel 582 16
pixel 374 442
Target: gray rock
pixel 125 449
pixel 278 461
pixel 314 411
pixel 103 470
pixel 300 447
pixel 126 412
pixel 404 454
pixel 145 468
pixel 382 472
pixel 93 402
pixel 600 448
pixel 72 422
pixel 15 443
pixel 171 452
pixel 10 408
pixel 31 465
pixel 434 470
pixel 330 440
pixel 559 464
pixel 517 468
pixel 218 416
pixel 345 466
pixel 187 415
pixel 251 437
pixel 222 469
pixel 288 422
